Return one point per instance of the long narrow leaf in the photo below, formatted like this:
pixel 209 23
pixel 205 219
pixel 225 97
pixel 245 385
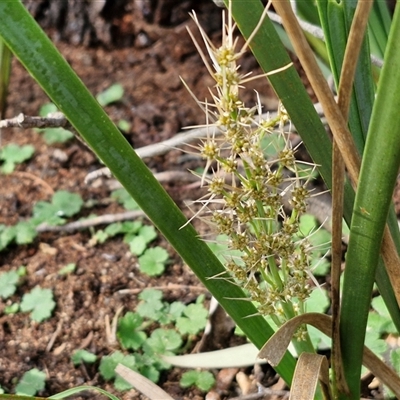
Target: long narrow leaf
pixel 36 52
pixel 378 175
pixel 379 25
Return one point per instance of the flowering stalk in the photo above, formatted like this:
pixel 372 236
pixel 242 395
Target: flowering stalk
pixel 246 190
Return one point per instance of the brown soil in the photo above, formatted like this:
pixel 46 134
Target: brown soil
pixel 157 106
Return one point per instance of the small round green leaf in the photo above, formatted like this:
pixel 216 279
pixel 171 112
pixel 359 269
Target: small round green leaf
pixel 111 95
pixel 67 204
pixel 204 380
pixel 13 154
pixel 31 382
pixel 193 321
pixel 128 333
pixel 8 283
pixel 81 356
pixel 164 341
pixel 40 302
pixel 152 262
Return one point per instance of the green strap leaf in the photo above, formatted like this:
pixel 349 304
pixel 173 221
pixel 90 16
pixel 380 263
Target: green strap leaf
pixel 36 52
pixel 378 175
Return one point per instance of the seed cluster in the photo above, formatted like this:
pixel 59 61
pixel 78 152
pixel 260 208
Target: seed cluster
pixel 245 191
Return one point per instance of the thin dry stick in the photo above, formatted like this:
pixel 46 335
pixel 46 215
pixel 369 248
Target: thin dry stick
pixel 54 336
pixel 111 329
pixel 355 39
pixel 54 120
pixel 101 220
pixel 338 174
pixel 170 286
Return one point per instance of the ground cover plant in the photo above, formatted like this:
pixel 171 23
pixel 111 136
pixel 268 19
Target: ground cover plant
pixel 13 154
pixel 371 121
pixel 173 327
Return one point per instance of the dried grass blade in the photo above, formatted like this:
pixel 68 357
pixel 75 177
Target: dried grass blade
pixel 276 346
pixel 142 384
pixel 309 369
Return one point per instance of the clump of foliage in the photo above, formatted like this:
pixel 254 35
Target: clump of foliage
pixel 173 327
pixel 152 261
pixel 12 154
pixel 9 281
pixel 32 382
pixel 111 95
pixel 204 380
pixel 39 301
pixel 62 206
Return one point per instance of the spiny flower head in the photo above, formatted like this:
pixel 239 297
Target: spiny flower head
pixel 246 191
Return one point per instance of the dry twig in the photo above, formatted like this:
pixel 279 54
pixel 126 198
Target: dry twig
pixel 170 286
pixel 53 120
pixel 101 220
